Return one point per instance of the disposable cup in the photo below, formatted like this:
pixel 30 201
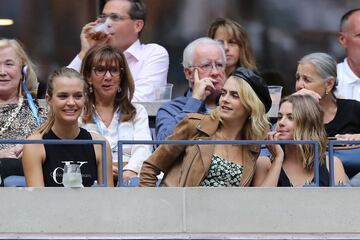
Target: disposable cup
pixel 275 94
pixel 164 93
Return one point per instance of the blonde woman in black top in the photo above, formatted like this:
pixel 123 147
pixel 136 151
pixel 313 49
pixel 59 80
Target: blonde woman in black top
pixel 43 164
pixel 299 118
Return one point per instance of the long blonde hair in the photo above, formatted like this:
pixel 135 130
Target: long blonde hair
pixel 62 72
pixel 31 81
pixel 257 125
pixel 308 125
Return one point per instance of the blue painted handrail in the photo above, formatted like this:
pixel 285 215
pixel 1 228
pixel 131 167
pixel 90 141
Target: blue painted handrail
pixel 331 155
pixel 198 142
pixel 76 142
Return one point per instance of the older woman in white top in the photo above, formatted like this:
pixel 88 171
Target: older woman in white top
pixel 109 110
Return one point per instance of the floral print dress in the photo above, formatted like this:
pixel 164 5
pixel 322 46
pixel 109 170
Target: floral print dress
pixel 223 173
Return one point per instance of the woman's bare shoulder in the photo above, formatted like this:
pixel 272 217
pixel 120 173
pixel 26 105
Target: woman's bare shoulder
pixel 36 136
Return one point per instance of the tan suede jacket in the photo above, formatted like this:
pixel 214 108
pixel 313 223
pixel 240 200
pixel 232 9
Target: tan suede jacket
pixel 188 165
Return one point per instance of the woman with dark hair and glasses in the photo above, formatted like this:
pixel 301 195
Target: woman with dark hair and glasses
pixel 109 111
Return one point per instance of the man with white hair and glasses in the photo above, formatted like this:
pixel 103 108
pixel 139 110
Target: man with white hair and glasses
pixel 204 65
pixel 120 25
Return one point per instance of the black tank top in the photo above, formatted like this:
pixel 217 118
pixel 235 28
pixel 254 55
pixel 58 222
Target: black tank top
pixel 56 156
pixel 323 177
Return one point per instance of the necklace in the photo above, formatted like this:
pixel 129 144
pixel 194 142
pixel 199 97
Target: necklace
pixel 12 117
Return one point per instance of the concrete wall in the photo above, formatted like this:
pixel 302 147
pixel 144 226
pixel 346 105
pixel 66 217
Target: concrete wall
pixel 180 211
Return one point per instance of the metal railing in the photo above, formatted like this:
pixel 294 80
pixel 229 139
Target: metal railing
pixel 72 142
pixel 331 149
pixel 198 142
pixel 331 155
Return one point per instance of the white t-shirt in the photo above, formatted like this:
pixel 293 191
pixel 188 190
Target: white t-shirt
pixel 348 83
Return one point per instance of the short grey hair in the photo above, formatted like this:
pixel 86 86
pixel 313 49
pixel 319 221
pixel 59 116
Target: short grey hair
pixel 324 65
pixel 188 55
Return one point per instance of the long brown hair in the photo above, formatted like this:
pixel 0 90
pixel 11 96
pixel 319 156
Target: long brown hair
pixel 62 72
pixel 234 29
pixel 308 125
pixel 108 54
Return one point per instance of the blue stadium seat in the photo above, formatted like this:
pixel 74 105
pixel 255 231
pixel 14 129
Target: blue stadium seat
pixel 14 181
pixel 350 157
pixel 135 181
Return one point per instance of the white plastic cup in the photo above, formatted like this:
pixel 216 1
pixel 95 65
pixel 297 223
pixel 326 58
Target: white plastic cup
pixel 275 94
pixel 164 93
pixel 100 30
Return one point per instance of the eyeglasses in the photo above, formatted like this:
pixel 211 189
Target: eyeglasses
pixel 114 71
pixel 113 17
pixel 207 67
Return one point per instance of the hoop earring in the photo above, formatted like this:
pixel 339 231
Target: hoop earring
pixel 119 90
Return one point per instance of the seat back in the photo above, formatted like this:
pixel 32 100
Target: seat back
pixel 350 157
pixel 135 181
pixel 14 181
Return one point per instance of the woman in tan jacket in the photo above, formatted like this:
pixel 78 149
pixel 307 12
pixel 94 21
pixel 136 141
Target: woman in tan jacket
pixel 240 116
